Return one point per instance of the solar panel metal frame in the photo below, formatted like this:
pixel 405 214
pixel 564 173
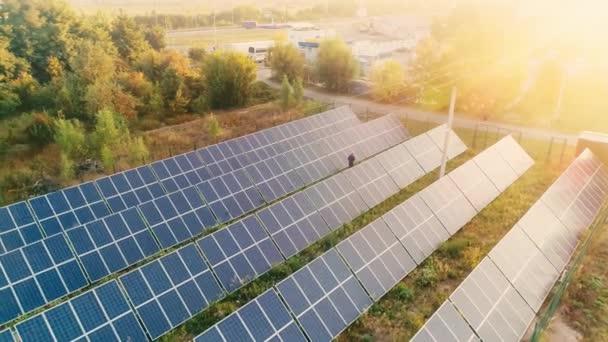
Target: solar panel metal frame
pixel 197 281
pixel 239 248
pixel 455 145
pixel 474 184
pixel 399 163
pixel 122 195
pixel 38 274
pixel 82 309
pixel 372 182
pixel 445 324
pixel 6 335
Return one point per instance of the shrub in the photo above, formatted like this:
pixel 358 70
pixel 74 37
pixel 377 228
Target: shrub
pixel 428 277
pixel 41 130
pixel 454 248
pixel 404 293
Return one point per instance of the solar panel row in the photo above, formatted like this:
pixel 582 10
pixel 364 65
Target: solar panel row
pixel 237 254
pixel 26 222
pixel 500 297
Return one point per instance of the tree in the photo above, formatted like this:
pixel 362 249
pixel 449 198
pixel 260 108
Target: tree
pixel 228 77
pixel 213 127
pixel 285 59
pixel 197 54
pixel 298 90
pixel 286 94
pixel 336 65
pixel 155 36
pixel 138 152
pixel 70 137
pixel 128 38
pixel 388 81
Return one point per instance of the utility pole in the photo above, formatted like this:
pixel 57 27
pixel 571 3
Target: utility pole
pixel 448 129
pixel 558 105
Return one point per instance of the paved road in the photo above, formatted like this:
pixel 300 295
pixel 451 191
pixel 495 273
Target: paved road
pixel 361 106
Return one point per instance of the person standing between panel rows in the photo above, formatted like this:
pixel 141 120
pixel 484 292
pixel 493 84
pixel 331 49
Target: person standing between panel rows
pixel 351 160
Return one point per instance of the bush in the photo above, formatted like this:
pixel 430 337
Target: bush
pixel 262 93
pixel 404 293
pixel 428 277
pixel 41 131
pixel 454 248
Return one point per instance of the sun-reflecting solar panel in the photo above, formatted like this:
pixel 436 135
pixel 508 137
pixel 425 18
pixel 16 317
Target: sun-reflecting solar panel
pixel 130 188
pixel 448 203
pixel 455 145
pixel 240 252
pixel 425 151
pixel 178 216
pixel 493 308
pixel 113 243
pixel 101 314
pixel 376 257
pixel 263 319
pixel 496 168
pixel 371 182
pixel 231 195
pixel 446 325
pixel 324 296
pixel 37 274
pixel 400 165
pixel 474 184
pixel 336 200
pixel 293 223
pixel 6 336
pixel 168 291
pixel 17 227
pixel 525 266
pixel 514 155
pixel 416 227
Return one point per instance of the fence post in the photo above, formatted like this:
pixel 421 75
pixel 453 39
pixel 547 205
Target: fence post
pixel 475 136
pixel 561 155
pixel 550 149
pixel 485 139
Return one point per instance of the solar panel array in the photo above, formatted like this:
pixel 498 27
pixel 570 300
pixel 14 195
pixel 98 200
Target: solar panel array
pixel 164 292
pixel 6 336
pixel 29 221
pixel 500 298
pixel 101 314
pixel 329 293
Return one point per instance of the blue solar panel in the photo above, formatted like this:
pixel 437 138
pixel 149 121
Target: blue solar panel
pixel 112 243
pixel 180 172
pixel 130 188
pixel 231 195
pixel 274 177
pixel 324 296
pixel 239 253
pixel 293 223
pixel 376 257
pixel 168 291
pixel 36 275
pixel 263 319
pixel 68 208
pixel 336 200
pixel 313 162
pixel 6 336
pixel 102 314
pixel 17 227
pixel 177 217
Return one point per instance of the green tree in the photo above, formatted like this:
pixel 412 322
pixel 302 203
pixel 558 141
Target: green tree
pixel 388 81
pixel 128 38
pixel 228 77
pixel 286 94
pixel 285 59
pixel 196 54
pixel 70 137
pixel 298 90
pixel 138 151
pixel 336 65
pixel 155 36
pixel 213 127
